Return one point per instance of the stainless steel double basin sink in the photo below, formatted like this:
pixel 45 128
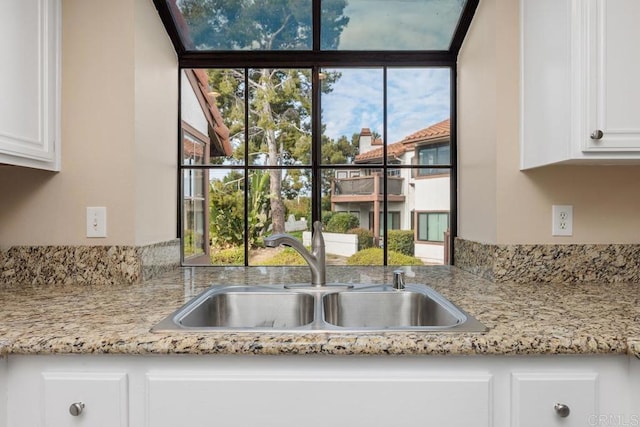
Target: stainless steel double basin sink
pixel 333 308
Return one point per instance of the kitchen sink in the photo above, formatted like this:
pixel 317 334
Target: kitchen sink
pixel 389 309
pixel 236 309
pixel 332 308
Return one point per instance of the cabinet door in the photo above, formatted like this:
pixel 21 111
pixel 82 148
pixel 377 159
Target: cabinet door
pixel 535 396
pixel 614 67
pixel 29 83
pixel 102 396
pixel 317 400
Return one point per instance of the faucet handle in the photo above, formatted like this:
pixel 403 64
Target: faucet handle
pixel 398 280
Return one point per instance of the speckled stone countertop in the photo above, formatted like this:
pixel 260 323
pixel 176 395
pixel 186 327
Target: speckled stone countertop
pixel 587 318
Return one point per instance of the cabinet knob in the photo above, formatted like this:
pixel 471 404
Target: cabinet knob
pixel 76 408
pixel 597 134
pixel 562 410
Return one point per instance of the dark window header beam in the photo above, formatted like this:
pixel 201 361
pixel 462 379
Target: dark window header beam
pixel 308 59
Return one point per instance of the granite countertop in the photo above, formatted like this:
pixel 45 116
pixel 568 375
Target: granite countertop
pixel 587 318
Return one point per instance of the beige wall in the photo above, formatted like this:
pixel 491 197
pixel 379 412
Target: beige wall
pixel 119 127
pixel 156 128
pixel 498 202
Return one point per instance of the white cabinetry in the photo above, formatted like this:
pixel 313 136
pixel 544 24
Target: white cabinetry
pixel 319 398
pixel 580 95
pixel 229 391
pixel 30 83
pixel 99 399
pixel 553 399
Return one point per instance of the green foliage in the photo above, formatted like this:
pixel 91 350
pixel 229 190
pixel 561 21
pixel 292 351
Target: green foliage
pixel 326 217
pixel 284 24
pixel 226 227
pixel 374 256
pixel 287 256
pixel 230 256
pixel 365 237
pixel 258 215
pixel 341 222
pixel 299 207
pixel 401 241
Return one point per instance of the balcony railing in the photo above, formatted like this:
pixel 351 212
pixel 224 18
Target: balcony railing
pixel 366 185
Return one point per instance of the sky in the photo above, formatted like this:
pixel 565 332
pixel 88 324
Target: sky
pixel 416 99
pixel 425 24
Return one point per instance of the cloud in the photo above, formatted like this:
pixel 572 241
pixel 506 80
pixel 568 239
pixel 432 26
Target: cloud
pixel 424 24
pixel 416 99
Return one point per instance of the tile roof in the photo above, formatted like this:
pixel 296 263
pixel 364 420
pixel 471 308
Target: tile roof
pixel 220 144
pixel 436 131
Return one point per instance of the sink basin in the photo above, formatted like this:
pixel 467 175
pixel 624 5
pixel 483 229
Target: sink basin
pixel 273 308
pixel 380 310
pixel 243 308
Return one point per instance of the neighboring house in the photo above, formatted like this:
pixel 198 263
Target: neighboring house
pixel 204 136
pixel 418 198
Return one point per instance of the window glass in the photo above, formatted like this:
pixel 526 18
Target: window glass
pixel 280 117
pixel 194 213
pixel 391 25
pixel 285 25
pixel 225 202
pixel 244 25
pixel 437 154
pixel 432 226
pixel 352 115
pixel 259 177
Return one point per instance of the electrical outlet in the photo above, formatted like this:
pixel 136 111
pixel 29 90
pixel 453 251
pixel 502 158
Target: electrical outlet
pixel 96 222
pixel 562 220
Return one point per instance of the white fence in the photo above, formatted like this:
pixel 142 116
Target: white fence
pixel 335 243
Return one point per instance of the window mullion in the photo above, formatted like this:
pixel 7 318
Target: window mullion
pixel 246 167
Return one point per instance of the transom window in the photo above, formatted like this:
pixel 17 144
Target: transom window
pixel 294 111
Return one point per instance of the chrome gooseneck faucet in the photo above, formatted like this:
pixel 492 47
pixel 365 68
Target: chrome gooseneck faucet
pixel 315 259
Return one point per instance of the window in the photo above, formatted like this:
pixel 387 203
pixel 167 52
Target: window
pixel 436 154
pixel 311 107
pixel 195 203
pixel 432 226
pixel 393 221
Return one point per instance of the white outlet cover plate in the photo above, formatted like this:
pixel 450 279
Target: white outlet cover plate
pixel 562 220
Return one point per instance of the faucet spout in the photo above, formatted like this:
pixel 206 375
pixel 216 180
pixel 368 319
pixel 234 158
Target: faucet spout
pixel 315 259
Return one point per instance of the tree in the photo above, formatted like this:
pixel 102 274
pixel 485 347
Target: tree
pixel 279 128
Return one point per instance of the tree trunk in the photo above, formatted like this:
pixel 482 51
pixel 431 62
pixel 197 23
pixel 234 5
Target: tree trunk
pixel 275 175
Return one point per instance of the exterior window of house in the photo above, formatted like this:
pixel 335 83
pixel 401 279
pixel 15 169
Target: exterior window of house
pixel 393 221
pixel 310 108
pixel 432 226
pixel 194 209
pixel 436 154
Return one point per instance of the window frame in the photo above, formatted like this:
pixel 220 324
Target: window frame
pixel 316 60
pixel 417 214
pixel 426 170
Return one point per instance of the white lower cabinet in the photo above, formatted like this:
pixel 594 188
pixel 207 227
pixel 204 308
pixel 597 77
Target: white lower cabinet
pixel 319 399
pixel 452 391
pixel 91 399
pixel 553 399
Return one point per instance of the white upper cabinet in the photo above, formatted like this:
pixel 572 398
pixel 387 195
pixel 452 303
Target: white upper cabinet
pixel 30 83
pixel 580 94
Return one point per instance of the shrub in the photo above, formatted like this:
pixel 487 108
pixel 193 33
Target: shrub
pixel 340 222
pixel 401 241
pixel 396 258
pixel 287 256
pixel 231 256
pixel 373 256
pixel 326 217
pixel 299 207
pixel 365 237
